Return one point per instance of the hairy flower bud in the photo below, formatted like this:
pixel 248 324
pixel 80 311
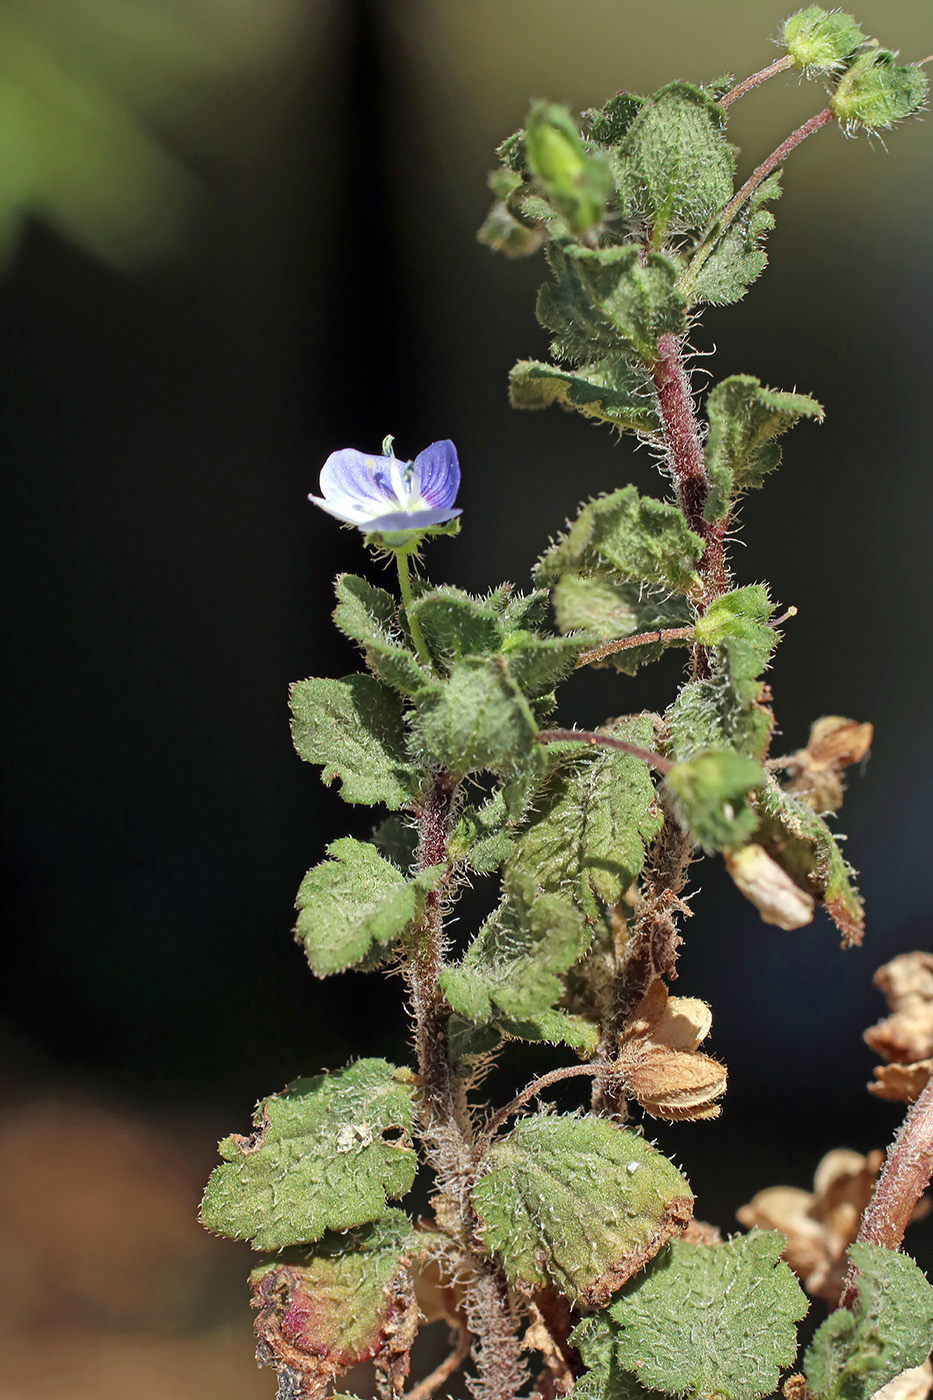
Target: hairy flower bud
pixel 876 91
pixel 820 40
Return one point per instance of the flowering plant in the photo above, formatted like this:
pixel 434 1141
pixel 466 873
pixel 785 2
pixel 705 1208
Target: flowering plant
pixel 561 1249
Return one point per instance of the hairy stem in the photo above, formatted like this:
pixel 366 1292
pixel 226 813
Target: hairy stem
pixel 414 626
pixel 905 1177
pixel 530 1091
pixel 604 741
pixel 639 639
pixel 447 1128
pixel 780 65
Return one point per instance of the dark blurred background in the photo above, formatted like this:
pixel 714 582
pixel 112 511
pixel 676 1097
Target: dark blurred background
pixel 238 235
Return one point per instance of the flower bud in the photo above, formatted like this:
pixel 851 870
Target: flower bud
pixel 875 91
pixel 577 184
pixel 769 887
pixel 821 40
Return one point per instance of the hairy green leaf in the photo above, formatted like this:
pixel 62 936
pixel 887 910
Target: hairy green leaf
pixel 614 392
pixel 675 168
pixel 630 539
pixel 577 1204
pixel 538 664
pixel 354 728
pixel 354 900
pixel 704 1320
pixel 515 961
pixel 801 842
pixel 889 1330
pixel 481 836
pixel 600 296
pixel 730 259
pixel 603 610
pixel 456 625
pixel 477 720
pixel 589 820
pixel 554 1026
pixel 368 615
pixel 609 124
pixel 344 1301
pixel 744 420
pixel 326 1154
pixel 711 792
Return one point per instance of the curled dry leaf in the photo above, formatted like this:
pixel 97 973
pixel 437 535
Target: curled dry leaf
pixel 819 1225
pixel 814 774
pixel 778 899
pixel 659 1061
pixel 902 1083
pixel 914 1384
pixel 906 1036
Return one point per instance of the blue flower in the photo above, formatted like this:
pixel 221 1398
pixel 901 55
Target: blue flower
pixel 385 495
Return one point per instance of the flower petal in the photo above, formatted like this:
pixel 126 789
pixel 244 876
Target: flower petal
pixel 437 474
pixel 347 511
pixel 350 478
pixel 409 520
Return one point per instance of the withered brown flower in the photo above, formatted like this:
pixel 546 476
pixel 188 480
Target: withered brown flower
pixel 906 1036
pixel 659 1061
pixel 778 899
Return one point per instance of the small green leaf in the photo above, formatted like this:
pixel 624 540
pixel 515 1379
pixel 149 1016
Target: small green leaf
pixel 345 1301
pixel 481 836
pixel 515 961
pixel 538 664
pixel 675 168
pixel 319 1160
pixel 555 1026
pixel 576 182
pixel 889 1330
pixel 614 392
pixel 503 233
pixel 875 91
pixel 608 125
pixel 729 1312
pixel 730 259
pixel 821 40
pixel 368 615
pixel 744 420
pixel 456 625
pixel 587 824
pixel 354 900
pixel 711 793
pixel 477 720
pixel 628 538
pixel 521 612
pixel 802 843
pixel 577 1204
pixel 602 295
pixel 605 611
pixel 354 728
pixel 742 614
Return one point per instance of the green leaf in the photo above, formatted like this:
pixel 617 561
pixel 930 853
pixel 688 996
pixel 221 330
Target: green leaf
pixel 821 40
pixel 675 168
pixel 538 664
pixel 515 961
pixel 456 625
pixel 743 615
pixel 803 845
pixel 713 1320
pixel 478 719
pixel 575 182
pixel 629 538
pixel 555 1026
pixel 503 230
pixel 520 611
pixel 354 900
pixel 368 615
pixel 744 419
pixel 605 611
pixel 614 392
pixel 354 728
pixel 345 1301
pixel 889 1330
pixel 577 1204
pixel 481 836
pixel 608 125
pixel 876 91
pixel 602 295
pixel 587 824
pixel 730 259
pixel 711 793
pixel 327 1153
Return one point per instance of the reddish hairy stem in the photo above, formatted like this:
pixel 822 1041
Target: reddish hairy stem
pixel 604 741
pixel 903 1180
pixel 429 1006
pixel 779 65
pixel 640 639
pixel 537 1086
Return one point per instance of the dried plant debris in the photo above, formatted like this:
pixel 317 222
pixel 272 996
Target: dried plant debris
pixel 659 1061
pixel 906 1036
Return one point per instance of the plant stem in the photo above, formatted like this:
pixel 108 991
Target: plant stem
pixel 530 1091
pixel 780 65
pixel 446 1127
pixel 640 639
pixel 414 626
pixel 903 1180
pixel 762 172
pixel 604 741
